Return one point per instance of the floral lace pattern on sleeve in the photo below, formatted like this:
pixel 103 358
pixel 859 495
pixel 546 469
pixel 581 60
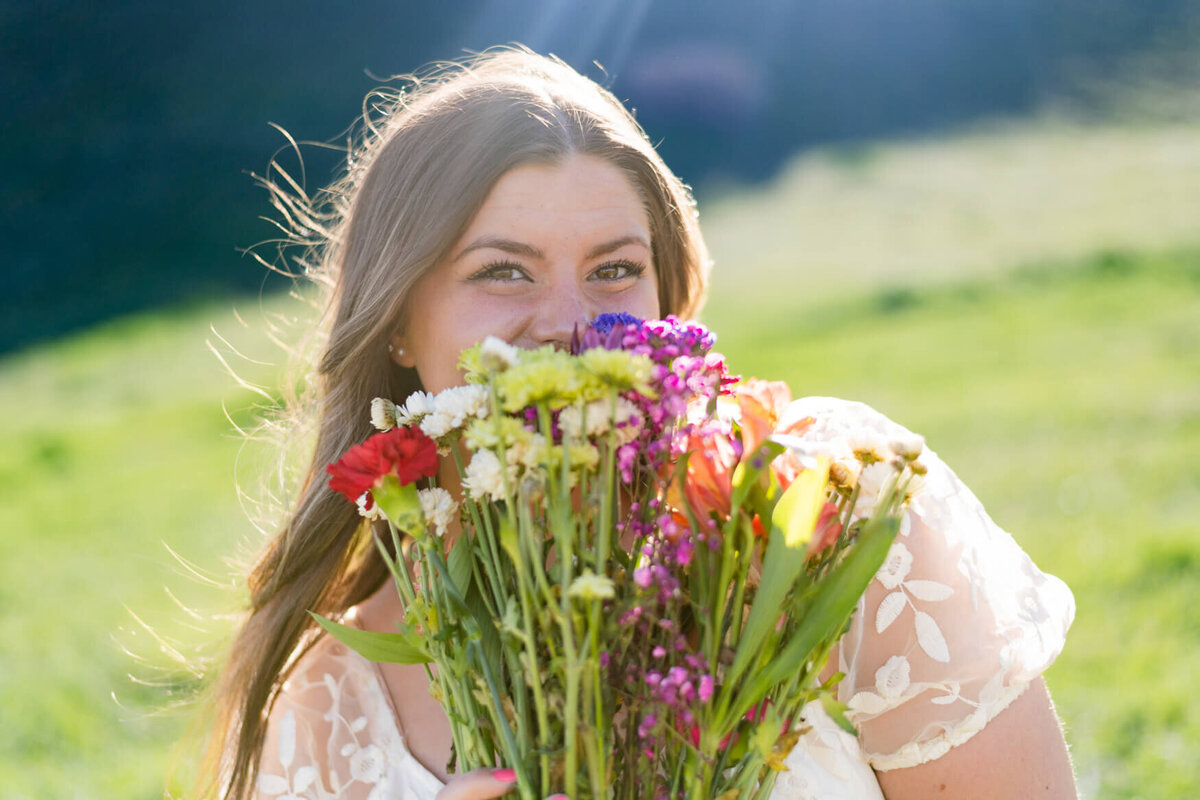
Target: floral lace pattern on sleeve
pixel 956 623
pixel 332 735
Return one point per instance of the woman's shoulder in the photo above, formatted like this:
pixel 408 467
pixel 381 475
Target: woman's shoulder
pixel 328 680
pixel 840 422
pixel 837 410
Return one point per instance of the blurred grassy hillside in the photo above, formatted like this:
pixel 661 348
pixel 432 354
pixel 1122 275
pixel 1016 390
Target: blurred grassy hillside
pixel 957 207
pixel 1028 298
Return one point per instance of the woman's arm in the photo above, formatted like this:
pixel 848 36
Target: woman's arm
pixel 1019 754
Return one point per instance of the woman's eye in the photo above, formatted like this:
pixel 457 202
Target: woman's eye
pixel 617 270
pixel 500 271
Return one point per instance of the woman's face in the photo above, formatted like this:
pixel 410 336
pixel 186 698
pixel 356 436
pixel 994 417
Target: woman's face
pixel 552 246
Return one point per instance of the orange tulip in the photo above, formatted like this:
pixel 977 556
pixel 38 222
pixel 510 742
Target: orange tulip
pixel 761 403
pixel 709 485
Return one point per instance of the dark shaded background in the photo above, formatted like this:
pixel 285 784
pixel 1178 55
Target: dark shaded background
pixel 129 127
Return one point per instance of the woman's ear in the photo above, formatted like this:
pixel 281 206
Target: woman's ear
pixel 399 351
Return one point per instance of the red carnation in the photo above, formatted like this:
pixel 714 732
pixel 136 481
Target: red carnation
pixel 406 453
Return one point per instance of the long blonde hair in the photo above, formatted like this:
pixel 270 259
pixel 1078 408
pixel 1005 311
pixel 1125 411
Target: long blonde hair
pixel 427 159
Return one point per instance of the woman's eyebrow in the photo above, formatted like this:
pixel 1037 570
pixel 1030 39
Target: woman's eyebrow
pixel 617 244
pixel 528 250
pixel 500 243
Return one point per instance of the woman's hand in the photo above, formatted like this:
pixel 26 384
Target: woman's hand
pixel 482 784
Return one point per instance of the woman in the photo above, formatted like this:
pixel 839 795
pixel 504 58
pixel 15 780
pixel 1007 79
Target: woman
pixel 511 196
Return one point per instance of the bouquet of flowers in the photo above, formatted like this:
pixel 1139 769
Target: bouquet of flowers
pixel 636 582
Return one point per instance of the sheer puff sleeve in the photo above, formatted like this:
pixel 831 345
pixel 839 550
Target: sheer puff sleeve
pixel 955 625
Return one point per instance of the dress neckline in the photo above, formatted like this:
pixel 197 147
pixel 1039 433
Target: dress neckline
pixel 351 618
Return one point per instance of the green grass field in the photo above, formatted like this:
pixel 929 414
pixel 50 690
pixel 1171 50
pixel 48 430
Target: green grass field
pixel 1061 379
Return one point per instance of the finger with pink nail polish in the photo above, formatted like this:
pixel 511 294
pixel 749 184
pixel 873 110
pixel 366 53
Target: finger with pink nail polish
pixel 505 775
pixel 479 784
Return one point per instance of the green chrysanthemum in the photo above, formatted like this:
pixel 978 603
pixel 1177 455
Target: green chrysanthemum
pixel 470 364
pixel 579 456
pixel 488 433
pixel 545 376
pixel 618 369
pixel 590 586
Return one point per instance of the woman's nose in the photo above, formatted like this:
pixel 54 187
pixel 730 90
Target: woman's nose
pixel 560 311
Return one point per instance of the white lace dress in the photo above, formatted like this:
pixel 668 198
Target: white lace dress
pixel 952 629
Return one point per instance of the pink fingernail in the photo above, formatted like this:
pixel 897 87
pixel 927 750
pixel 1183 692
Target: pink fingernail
pixel 558 797
pixel 505 775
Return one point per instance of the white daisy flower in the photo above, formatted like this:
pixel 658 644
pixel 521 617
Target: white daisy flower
pixel 484 477
pixel 908 447
pixel 453 407
pixel 415 408
pixel 497 355
pixel 528 451
pixel 570 421
pixel 844 471
pixel 383 413
pixel 438 507
pixel 916 483
pixel 868 446
pixel 871 482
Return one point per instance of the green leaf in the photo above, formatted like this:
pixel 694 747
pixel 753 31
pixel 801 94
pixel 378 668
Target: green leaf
pixel 837 712
pixel 459 563
pixel 488 634
pixel 829 607
pixel 390 648
pixel 746 474
pixel 766 733
pixel 510 539
pixel 401 505
pixel 783 563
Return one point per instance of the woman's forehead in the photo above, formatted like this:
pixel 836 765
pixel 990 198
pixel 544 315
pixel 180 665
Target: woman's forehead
pixel 582 196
